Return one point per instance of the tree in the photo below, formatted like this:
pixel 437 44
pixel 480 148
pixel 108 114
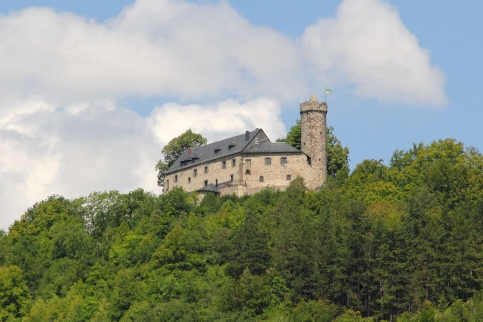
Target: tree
pixel 14 292
pixel 449 170
pixel 294 136
pixel 173 150
pixel 337 155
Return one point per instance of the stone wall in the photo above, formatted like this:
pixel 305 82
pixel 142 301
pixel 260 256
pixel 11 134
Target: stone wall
pixel 216 173
pixel 233 177
pixel 274 174
pixel 313 125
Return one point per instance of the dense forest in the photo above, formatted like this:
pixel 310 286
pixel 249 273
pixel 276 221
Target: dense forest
pixel 397 242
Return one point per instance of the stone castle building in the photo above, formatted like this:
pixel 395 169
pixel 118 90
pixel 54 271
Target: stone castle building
pixel 249 162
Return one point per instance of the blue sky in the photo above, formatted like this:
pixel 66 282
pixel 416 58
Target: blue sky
pixel 81 112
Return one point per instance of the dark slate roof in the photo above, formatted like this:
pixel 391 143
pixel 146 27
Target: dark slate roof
pixel 209 188
pixel 207 152
pixel 272 147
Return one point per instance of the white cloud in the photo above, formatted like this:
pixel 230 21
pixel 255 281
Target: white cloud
pixel 85 147
pixel 72 153
pixel 62 130
pixel 367 45
pixel 216 122
pixel 152 48
pixel 209 52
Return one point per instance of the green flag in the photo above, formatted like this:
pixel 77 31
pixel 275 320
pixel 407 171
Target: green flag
pixel 328 91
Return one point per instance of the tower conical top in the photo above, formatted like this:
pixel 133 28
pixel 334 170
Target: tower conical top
pixel 313 98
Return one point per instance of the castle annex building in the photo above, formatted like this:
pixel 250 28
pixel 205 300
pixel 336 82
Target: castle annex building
pixel 249 162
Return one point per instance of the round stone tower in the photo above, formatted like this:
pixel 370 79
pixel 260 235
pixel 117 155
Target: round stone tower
pixel 313 123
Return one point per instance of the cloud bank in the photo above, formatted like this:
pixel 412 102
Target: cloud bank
pixel 90 146
pixel 367 45
pixel 64 129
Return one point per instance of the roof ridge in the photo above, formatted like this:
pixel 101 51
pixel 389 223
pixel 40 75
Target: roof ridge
pixel 207 152
pixel 257 130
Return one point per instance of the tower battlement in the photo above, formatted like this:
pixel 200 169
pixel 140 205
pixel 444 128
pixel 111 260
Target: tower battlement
pixel 313 105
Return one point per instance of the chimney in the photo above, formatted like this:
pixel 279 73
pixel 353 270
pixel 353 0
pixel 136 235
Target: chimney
pixel 189 151
pixel 247 136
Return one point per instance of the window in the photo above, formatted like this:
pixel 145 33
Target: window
pixel 216 182
pixel 206 169
pixel 189 179
pixel 283 160
pixel 223 164
pixel 248 171
pixel 176 178
pixel 268 161
pixel 289 177
pixel 233 162
pixel 206 183
pixel 195 172
pixel 261 178
pixel 231 178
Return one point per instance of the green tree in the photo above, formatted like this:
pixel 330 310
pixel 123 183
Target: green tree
pixel 294 136
pixel 449 170
pixel 14 292
pixel 337 155
pixel 174 148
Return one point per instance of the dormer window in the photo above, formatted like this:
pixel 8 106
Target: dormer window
pixel 185 162
pixel 217 149
pixel 232 145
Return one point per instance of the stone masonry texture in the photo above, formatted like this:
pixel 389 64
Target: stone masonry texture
pixel 241 174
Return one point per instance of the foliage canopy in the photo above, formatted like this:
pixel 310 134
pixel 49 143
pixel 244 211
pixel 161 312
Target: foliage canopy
pixel 398 242
pixel 175 148
pixel 337 154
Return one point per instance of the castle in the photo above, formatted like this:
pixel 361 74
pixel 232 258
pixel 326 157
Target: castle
pixel 249 162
